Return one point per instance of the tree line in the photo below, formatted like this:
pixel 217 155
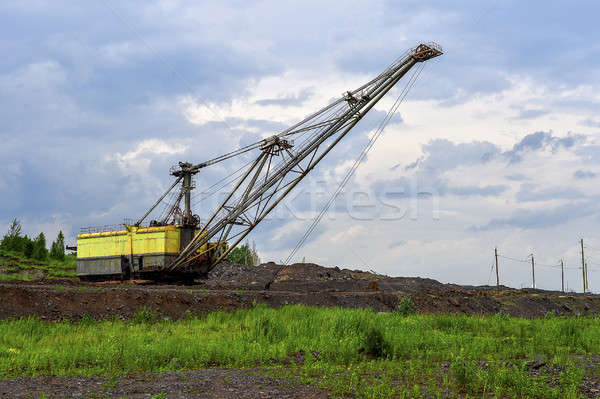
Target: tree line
pixel 15 241
pixel 244 255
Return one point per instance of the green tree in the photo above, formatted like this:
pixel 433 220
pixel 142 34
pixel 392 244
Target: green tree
pixel 40 252
pixel 27 247
pixel 57 250
pixel 244 255
pixel 14 230
pixel 12 240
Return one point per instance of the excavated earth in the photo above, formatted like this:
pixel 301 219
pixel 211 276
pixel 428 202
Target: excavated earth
pixel 230 287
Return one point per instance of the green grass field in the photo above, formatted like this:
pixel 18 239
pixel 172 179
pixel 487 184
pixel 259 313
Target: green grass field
pixel 353 351
pixel 14 266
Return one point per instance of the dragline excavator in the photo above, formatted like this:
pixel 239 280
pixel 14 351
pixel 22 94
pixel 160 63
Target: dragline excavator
pixel 178 245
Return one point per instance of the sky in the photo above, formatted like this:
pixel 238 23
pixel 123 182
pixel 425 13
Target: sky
pixel 496 145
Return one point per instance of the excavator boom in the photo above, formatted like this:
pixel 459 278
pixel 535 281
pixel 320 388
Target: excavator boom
pixel 266 182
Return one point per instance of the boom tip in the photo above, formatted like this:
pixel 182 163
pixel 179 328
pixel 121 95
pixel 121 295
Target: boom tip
pixel 426 51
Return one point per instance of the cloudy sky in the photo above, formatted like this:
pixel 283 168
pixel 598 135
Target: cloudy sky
pixel 496 145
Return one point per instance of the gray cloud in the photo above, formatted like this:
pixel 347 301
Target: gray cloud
pixel 543 218
pixel 590 122
pixel 584 174
pixel 287 101
pixel 530 193
pixel 516 177
pixel 396 244
pixel 538 140
pixel 484 191
pixel 444 155
pixel 531 113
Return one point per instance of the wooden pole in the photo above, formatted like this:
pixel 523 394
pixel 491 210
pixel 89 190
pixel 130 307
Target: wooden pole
pixel 497 276
pixel 562 273
pixel 583 266
pixel 533 270
pixel 587 286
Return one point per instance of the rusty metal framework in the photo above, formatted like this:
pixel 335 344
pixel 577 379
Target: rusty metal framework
pixel 283 160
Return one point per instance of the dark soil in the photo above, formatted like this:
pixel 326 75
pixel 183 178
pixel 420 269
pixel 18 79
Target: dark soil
pixel 228 383
pixel 205 383
pixel 230 287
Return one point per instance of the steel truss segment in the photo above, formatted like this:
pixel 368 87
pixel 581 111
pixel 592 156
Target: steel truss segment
pixel 266 183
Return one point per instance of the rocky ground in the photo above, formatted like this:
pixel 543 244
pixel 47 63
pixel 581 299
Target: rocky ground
pixel 224 384
pixel 206 383
pixel 233 286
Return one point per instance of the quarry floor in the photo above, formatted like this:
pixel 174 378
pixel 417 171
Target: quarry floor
pixel 230 287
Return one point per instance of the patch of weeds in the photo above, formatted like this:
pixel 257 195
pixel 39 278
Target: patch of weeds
pixel 550 314
pixel 87 320
pixel 375 344
pixel 502 314
pixel 406 306
pixel 110 383
pixel 15 277
pixel 144 316
pixel 189 315
pixel 61 273
pixel 464 372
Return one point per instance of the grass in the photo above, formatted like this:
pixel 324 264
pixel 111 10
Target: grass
pixel 357 351
pixel 14 266
pixel 15 277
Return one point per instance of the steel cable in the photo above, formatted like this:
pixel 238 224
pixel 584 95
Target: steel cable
pixel 357 162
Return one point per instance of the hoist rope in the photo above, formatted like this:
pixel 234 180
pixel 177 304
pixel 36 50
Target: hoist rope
pixel 357 162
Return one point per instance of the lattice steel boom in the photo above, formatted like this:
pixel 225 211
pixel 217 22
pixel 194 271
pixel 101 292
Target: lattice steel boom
pixel 283 161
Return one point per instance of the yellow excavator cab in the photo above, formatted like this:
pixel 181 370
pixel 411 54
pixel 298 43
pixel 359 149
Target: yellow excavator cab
pixel 129 251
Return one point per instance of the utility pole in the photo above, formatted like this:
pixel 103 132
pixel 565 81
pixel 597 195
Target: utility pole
pixel 587 287
pixel 533 270
pixel 497 277
pixel 583 266
pixel 562 273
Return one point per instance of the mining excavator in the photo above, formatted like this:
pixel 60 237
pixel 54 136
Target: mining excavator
pixel 178 245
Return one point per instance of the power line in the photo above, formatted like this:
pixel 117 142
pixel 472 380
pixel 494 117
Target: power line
pixel 515 259
pixel 530 259
pixel 587 246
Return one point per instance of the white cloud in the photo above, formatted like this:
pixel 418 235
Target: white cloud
pixel 123 53
pixel 346 235
pixel 144 151
pixel 137 163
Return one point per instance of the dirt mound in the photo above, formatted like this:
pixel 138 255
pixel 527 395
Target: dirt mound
pixel 231 286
